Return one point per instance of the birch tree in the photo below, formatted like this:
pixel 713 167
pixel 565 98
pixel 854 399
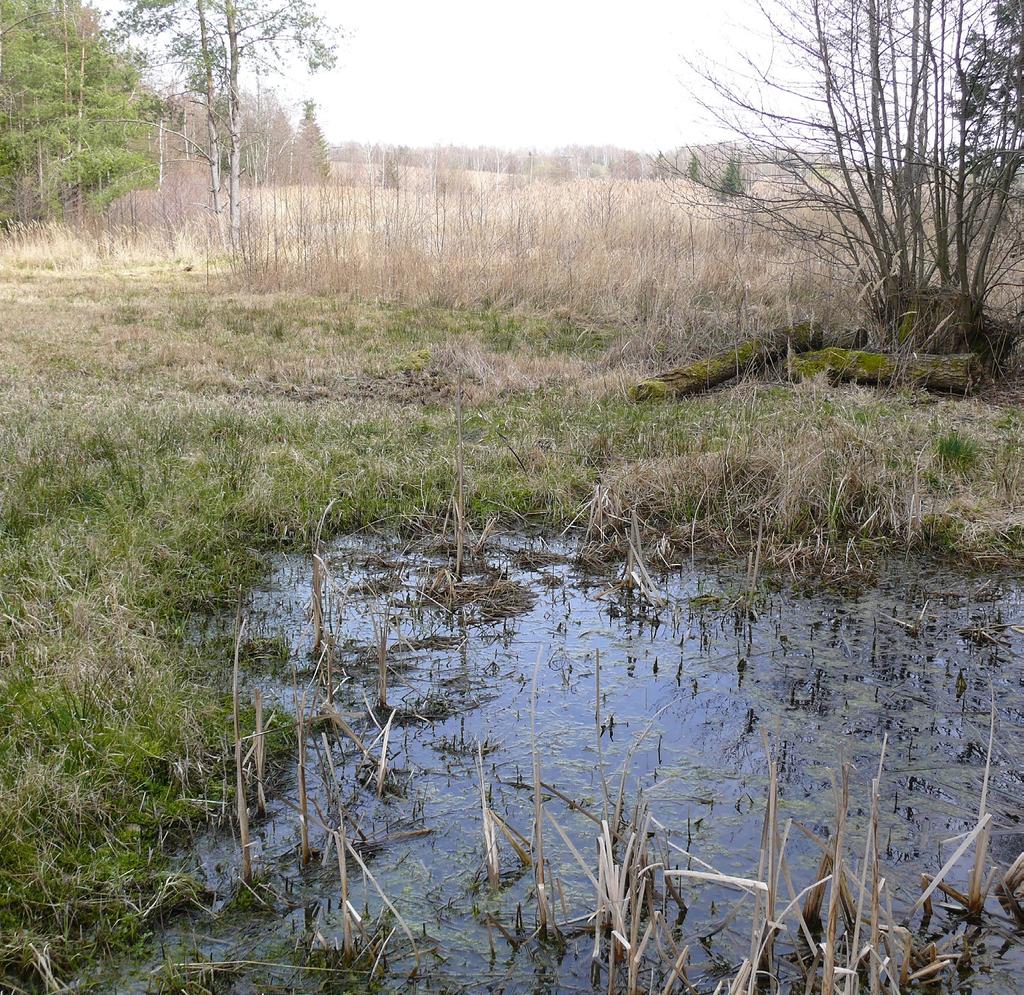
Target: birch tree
pixel 214 42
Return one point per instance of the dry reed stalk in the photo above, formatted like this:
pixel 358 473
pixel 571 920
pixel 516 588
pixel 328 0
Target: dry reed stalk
pixel 1009 888
pixel 754 562
pixel 519 843
pixel 835 886
pixel 605 796
pixel 764 920
pixel 678 972
pixel 637 573
pixel 301 770
pixel 816 897
pixel 936 882
pixel 330 677
pixel 260 754
pixel 978 887
pixel 384 898
pixel 855 955
pixel 241 803
pixel 382 767
pixel 489 529
pixel 491 857
pixel 319 586
pixel 338 720
pixel 317 603
pixel 460 486
pixel 538 814
pixel 381 632
pixel 346 910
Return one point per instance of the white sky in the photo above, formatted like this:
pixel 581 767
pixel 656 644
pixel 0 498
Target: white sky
pixel 517 73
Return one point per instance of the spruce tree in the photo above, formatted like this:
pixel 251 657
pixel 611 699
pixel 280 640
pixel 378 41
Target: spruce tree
pixel 732 179
pixel 312 155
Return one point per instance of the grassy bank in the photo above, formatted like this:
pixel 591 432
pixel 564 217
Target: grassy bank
pixel 160 432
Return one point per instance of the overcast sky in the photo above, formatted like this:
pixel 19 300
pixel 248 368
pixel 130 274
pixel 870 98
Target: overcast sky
pixel 518 73
pixel 521 72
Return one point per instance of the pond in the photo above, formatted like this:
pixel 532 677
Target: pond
pixel 664 702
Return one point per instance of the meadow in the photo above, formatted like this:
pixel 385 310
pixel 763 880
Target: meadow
pixel 168 419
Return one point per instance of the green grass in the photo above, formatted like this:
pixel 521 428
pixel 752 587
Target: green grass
pixel 151 464
pixel 957 452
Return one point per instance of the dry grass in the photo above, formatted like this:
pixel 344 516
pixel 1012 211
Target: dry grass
pixel 159 427
pixel 635 253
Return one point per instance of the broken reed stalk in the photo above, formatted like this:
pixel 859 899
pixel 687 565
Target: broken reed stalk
pixel 491 857
pixel 301 770
pixel 260 754
pixel 384 898
pixel 241 803
pixel 1008 888
pixel 538 815
pixel 382 767
pixel 460 488
pixel 978 890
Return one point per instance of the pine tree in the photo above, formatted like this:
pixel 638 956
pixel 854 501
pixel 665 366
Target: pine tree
pixel 693 170
pixel 69 97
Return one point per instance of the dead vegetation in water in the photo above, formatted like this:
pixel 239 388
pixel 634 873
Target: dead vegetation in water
pixel 487 599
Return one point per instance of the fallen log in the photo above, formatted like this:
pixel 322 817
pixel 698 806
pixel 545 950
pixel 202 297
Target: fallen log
pixel 722 366
pixel 953 374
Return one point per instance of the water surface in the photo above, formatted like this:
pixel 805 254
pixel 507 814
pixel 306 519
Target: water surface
pixel 691 690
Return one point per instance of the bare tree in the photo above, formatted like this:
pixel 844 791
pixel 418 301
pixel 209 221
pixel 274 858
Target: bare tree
pixel 893 137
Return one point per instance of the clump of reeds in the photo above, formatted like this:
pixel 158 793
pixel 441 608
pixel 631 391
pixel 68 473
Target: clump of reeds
pixel 835 932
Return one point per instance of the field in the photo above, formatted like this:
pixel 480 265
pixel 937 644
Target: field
pixel 168 421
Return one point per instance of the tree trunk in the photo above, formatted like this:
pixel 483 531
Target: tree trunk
pixel 956 374
pixel 722 366
pixel 234 130
pixel 212 132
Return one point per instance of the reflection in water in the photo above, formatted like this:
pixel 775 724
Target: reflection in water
pixel 916 659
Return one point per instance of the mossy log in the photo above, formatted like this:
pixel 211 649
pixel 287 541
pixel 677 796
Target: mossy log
pixel 722 366
pixel 953 374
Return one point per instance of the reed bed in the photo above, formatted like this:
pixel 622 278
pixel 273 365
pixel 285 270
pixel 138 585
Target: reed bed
pixel 631 252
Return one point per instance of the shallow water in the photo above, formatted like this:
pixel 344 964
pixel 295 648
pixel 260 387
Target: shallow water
pixel 690 693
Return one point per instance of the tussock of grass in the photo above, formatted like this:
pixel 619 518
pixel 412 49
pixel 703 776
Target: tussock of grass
pixel 956 451
pixel 147 464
